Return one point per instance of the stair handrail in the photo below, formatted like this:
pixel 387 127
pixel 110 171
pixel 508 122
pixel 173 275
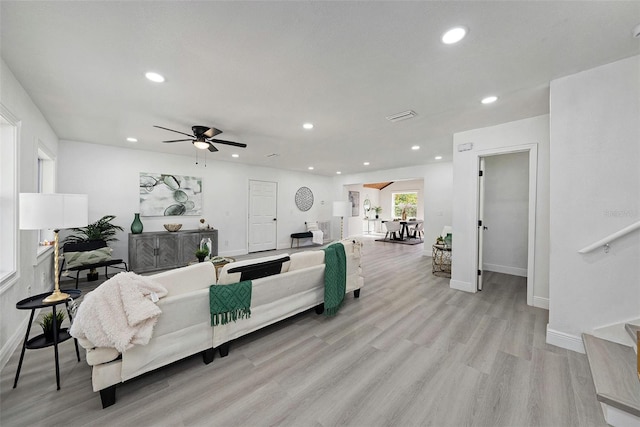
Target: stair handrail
pixel 610 238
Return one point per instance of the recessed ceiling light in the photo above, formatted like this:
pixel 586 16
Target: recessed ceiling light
pixel 338 173
pixel 438 157
pixel 308 125
pixel 235 156
pixel 454 35
pixel 415 147
pixel 310 168
pixel 154 77
pixel 366 163
pixel 130 139
pixel 489 99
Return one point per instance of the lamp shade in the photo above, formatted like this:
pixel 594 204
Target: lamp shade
pixel 341 208
pixel 53 211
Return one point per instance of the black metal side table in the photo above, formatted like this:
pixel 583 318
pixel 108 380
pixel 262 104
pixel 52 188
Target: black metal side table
pixel 32 303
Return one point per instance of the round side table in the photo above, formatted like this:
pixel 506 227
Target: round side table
pixel 33 303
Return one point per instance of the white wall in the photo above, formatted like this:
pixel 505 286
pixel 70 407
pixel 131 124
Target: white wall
pixel 437 178
pixel 595 175
pixel 506 206
pixel 110 176
pixel 34 129
pixel 508 136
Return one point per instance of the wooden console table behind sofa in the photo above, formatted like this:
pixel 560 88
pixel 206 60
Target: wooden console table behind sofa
pixel 160 250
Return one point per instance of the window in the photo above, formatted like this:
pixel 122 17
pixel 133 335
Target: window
pixel 407 201
pixel 9 129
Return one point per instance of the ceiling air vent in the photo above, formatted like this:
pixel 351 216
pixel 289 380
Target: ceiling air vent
pixel 402 116
pixel 273 155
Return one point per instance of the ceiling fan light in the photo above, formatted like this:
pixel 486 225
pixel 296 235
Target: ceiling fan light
pixel 201 144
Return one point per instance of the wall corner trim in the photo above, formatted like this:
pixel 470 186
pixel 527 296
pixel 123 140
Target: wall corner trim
pixel 541 302
pixel 564 340
pixel 462 286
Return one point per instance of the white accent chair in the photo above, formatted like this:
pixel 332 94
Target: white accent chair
pixel 392 227
pixel 417 231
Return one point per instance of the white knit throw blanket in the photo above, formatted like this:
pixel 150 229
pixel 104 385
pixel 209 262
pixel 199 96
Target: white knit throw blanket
pixel 119 313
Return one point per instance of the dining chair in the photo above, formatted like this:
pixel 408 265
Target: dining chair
pixel 392 227
pixel 417 231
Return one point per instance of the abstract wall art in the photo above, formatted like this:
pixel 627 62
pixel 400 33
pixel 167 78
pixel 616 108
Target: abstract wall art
pixel 354 198
pixel 170 195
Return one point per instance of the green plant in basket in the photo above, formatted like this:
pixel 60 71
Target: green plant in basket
pixel 201 254
pixel 47 323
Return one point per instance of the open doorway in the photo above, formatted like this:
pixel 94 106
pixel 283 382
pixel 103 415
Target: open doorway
pixel 386 202
pixel 506 214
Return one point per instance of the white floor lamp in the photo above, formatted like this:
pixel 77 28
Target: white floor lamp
pixel 341 209
pixel 53 211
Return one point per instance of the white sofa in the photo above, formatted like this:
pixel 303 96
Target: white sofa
pixel 184 327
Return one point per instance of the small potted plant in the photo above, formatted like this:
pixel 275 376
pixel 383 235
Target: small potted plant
pixel 47 324
pixel 201 254
pixel 439 240
pixel 377 210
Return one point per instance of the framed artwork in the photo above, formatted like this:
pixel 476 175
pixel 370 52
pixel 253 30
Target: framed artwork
pixel 354 198
pixel 170 195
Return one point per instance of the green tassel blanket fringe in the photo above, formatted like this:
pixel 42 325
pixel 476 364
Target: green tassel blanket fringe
pixel 229 303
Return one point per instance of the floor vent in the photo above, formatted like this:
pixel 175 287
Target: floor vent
pixel 402 116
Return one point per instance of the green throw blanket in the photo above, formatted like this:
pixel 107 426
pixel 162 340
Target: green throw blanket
pixel 229 303
pixel 335 278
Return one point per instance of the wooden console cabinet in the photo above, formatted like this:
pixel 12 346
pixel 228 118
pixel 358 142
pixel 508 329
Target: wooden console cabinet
pixel 161 250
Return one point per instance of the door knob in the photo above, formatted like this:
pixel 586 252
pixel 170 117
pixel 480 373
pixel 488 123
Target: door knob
pixel 275 219
pixel 485 227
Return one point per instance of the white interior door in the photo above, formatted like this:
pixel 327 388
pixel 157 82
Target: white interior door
pixel 481 225
pixel 262 215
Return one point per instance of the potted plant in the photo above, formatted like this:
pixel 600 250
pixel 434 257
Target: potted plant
pixel 201 254
pixel 47 324
pixel 102 229
pixel 439 240
pixel 377 209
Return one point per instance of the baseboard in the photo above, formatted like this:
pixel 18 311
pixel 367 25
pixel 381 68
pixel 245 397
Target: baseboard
pixel 541 302
pixel 564 340
pixel 514 271
pixel 14 341
pixel 462 286
pixel 618 418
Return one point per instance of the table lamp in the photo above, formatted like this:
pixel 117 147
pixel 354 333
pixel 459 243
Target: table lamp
pixel 53 211
pixel 341 209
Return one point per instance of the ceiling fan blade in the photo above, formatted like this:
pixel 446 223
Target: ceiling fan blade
pixel 176 131
pixel 211 132
pixel 178 140
pixel 235 144
pixel 212 148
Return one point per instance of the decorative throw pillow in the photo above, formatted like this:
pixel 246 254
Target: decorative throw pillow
pixel 312 226
pixel 76 259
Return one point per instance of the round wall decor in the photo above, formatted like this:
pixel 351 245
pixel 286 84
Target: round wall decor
pixel 304 199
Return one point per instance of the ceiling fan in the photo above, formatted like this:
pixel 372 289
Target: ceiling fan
pixel 202 138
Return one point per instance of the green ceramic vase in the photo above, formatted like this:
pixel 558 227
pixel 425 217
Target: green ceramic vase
pixel 136 225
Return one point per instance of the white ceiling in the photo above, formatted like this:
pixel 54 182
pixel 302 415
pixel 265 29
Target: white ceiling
pixel 259 70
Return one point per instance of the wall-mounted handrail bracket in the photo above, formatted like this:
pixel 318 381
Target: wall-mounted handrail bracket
pixel 610 238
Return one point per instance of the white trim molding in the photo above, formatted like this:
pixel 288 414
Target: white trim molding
pixel 513 271
pixel 462 286
pixel 540 302
pixel 564 340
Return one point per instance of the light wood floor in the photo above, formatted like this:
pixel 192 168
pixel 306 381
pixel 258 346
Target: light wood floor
pixel 410 351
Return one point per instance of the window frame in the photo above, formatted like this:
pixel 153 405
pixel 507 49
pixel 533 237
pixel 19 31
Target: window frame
pixel 393 202
pixel 10 128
